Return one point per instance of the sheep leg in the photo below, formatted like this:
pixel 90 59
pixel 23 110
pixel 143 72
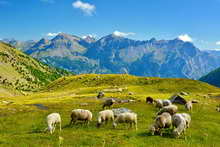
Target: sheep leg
pixel 60 126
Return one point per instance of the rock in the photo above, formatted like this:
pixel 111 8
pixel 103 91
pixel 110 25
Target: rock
pixel 130 93
pixel 195 101
pixel 84 104
pixel 176 98
pixel 101 94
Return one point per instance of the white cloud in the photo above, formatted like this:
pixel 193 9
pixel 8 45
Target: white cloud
pixel 185 38
pixel 48 1
pixel 52 34
pixel 122 34
pixel 87 8
pixel 217 43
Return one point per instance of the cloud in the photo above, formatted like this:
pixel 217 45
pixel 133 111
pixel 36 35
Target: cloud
pixel 185 38
pixel 52 34
pixel 87 8
pixel 122 34
pixel 48 1
pixel 217 43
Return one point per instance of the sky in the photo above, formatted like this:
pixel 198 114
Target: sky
pixel 196 21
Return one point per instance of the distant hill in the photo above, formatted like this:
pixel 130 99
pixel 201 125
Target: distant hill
pixel 21 72
pixel 113 54
pixel 146 84
pixel 212 78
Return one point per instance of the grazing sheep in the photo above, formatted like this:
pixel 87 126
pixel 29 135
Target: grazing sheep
pixel 82 115
pixel 187 118
pixel 162 121
pixel 189 105
pixel 166 102
pixel 172 109
pixel 179 122
pixel 149 100
pixel 52 120
pixel 104 116
pixel 159 103
pixel 108 102
pixel 126 117
pixel 162 103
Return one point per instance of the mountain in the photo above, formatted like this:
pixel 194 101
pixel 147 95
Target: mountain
pixel 21 72
pixel 117 54
pixel 212 78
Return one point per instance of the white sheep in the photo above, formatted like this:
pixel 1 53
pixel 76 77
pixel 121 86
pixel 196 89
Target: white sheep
pixel 172 109
pixel 179 122
pixel 82 115
pixel 187 118
pixel 189 105
pixel 104 116
pixel 162 121
pixel 126 117
pixel 162 103
pixel 52 120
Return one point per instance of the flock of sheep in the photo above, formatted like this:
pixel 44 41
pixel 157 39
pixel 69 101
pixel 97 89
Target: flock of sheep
pixel 166 117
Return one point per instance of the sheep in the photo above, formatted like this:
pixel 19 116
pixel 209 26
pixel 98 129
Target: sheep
pixel 159 103
pixel 104 116
pixel 108 102
pixel 52 120
pixel 189 105
pixel 218 109
pixel 162 103
pixel 82 115
pixel 187 118
pixel 162 121
pixel 126 117
pixel 100 95
pixel 179 122
pixel 172 109
pixel 166 102
pixel 149 100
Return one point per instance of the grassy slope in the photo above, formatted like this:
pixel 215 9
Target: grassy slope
pixel 212 78
pixel 24 129
pixel 21 72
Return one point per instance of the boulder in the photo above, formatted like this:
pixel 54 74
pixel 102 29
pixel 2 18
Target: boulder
pixel 178 99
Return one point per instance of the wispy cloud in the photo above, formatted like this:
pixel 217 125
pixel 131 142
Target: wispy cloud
pixel 87 8
pixel 185 38
pixel 122 34
pixel 48 1
pixel 52 34
pixel 217 43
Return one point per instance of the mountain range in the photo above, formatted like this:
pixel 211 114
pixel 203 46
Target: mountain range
pixel 116 54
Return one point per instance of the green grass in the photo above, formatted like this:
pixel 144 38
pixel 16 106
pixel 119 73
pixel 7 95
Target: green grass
pixel 21 124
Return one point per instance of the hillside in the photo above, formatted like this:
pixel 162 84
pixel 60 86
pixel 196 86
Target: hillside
pixel 73 92
pixel 21 72
pixel 113 54
pixel 212 78
pixel 151 85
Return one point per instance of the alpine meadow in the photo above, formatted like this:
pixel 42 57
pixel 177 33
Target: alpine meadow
pixel 109 73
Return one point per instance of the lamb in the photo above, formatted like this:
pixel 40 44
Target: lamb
pixel 172 109
pixel 108 102
pixel 162 121
pixel 179 122
pixel 126 117
pixel 166 102
pixel 82 115
pixel 104 116
pixel 189 105
pixel 52 120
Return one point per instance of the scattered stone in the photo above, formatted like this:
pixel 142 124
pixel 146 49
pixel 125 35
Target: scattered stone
pixel 7 102
pixel 101 94
pixel 130 93
pixel 184 93
pixel 40 106
pixel 84 104
pixel 195 101
pixel 176 98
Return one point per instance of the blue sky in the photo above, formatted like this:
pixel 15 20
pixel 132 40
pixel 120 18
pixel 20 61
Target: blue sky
pixel 193 20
